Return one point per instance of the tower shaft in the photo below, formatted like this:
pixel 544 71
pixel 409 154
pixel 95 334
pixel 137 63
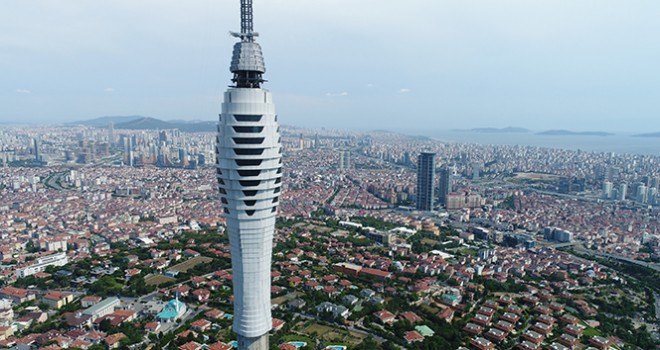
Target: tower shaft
pixel 249 158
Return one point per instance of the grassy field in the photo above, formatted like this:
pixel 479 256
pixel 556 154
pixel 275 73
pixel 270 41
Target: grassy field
pixel 334 335
pixel 189 264
pixel 157 280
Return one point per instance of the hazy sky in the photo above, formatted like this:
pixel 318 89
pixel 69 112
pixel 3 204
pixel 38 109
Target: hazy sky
pixel 413 64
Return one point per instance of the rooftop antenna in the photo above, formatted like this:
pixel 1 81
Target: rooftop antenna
pixel 247 33
pixel 247 61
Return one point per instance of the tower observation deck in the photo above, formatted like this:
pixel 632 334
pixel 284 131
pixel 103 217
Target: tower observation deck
pixel 249 173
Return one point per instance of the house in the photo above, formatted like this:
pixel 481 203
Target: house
pixel 214 314
pixel 277 324
pixel 201 295
pixel 114 340
pixel 410 317
pixel 131 272
pixel 17 295
pixel 481 343
pixel 190 252
pixel 56 300
pixel 90 300
pixel 412 337
pixel 473 329
pixel 220 346
pixel 527 345
pixel 496 335
pixel 152 327
pixel 296 304
pixel 533 337
pixel 6 332
pixel 385 316
pixel 77 320
pixel 201 325
pixel 116 318
pixel 446 314
pixel 192 345
pixel 600 342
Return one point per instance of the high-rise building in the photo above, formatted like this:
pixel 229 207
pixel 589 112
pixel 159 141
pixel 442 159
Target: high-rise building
pixel 607 190
pixel 249 173
pixel 344 159
pixel 425 181
pixel 445 184
pixel 111 134
pixel 37 155
pixel 623 191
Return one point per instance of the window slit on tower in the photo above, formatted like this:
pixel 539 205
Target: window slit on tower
pixel 249 193
pixel 249 183
pixel 248 140
pixel 248 151
pixel 249 212
pixel 249 129
pixel 222 190
pixel 221 181
pixel 250 203
pixel 278 180
pixel 248 162
pixel 223 200
pixel 277 190
pixel 276 199
pixel 245 173
pixel 247 117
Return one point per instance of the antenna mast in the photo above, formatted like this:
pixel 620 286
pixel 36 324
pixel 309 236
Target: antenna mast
pixel 247 33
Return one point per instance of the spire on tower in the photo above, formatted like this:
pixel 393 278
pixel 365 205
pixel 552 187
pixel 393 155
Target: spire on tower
pixel 247 33
pixel 247 62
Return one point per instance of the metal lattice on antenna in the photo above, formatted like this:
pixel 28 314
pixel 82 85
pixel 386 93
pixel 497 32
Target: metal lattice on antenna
pixel 246 17
pixel 247 33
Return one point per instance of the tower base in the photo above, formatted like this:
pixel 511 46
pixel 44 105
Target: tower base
pixel 257 343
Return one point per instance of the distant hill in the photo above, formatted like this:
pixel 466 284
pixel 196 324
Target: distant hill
pixel 573 133
pixel 147 123
pixel 507 130
pixel 104 121
pixel 137 122
pixel 653 134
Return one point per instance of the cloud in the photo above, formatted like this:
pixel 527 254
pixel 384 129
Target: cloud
pixel 23 91
pixel 370 85
pixel 330 94
pixel 109 89
pixel 404 91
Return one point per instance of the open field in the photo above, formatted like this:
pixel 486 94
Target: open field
pixel 334 335
pixel 535 177
pixel 189 264
pixel 157 280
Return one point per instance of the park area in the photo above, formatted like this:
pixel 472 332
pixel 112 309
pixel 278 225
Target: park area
pixel 190 263
pixel 157 280
pixel 333 335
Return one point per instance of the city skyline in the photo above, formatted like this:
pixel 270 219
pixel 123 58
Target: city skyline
pixel 542 66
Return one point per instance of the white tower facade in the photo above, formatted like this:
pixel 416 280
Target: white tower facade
pixel 249 172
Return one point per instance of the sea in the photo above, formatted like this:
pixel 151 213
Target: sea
pixel 617 143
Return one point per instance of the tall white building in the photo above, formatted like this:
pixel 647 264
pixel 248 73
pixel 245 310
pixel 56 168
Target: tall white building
pixel 40 264
pixel 607 190
pixel 249 174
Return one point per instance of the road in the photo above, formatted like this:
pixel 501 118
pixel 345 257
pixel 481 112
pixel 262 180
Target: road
pixel 654 266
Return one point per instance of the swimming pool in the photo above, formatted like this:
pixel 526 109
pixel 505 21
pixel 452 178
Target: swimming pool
pixel 298 344
pixel 335 347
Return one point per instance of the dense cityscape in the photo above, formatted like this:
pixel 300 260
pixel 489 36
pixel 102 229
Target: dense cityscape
pixel 114 237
